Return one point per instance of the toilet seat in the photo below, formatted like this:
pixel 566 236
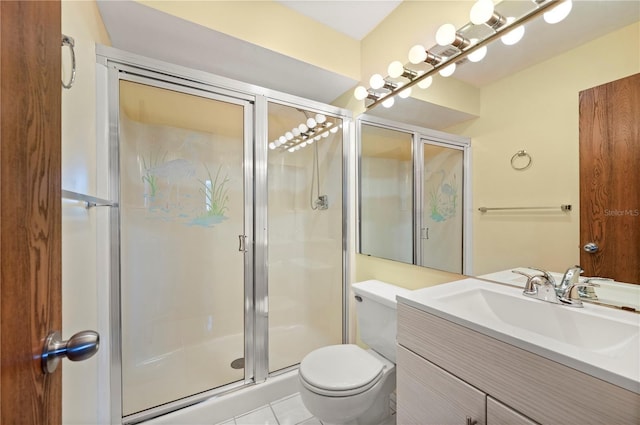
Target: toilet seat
pixel 340 370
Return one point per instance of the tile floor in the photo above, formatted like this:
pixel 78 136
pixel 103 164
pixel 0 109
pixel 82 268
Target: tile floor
pixel 286 411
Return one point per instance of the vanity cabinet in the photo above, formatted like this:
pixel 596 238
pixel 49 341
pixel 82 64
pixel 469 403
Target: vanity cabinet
pixel 447 373
pixel 431 395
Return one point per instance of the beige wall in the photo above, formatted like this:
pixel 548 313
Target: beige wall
pixel 537 110
pixel 82 402
pixel 284 31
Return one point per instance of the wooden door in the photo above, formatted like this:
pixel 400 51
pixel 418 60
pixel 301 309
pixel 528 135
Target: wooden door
pixel 610 179
pixel 30 208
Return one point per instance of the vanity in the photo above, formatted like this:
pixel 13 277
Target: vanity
pixel 479 352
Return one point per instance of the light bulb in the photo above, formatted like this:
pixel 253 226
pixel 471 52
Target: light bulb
pixel 326 134
pixel 376 81
pixel 388 103
pixel 291 150
pixel 446 35
pixel 295 131
pixel 405 93
pixel 481 12
pixel 479 54
pixel 424 84
pixel 417 54
pixel 395 69
pixel 558 13
pixel 514 35
pixel 311 123
pixel 448 70
pixel 317 138
pixel 328 124
pixel 288 135
pixel 303 128
pixel 272 145
pixel 360 93
pixel 320 118
pixel 303 144
pixel 282 140
pixel 334 130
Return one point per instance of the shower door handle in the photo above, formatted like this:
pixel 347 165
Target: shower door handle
pixel 79 347
pixel 242 243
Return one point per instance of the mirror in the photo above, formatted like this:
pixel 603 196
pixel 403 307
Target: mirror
pixel 386 193
pixel 413 195
pixel 532 108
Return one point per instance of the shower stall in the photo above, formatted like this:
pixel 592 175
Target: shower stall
pixel 228 245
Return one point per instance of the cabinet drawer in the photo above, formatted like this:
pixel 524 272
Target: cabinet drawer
pixel 429 395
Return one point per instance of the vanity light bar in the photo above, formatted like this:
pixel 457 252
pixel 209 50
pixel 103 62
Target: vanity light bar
pixel 500 26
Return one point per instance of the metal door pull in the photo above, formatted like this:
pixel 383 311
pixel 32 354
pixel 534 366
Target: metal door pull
pixel 79 347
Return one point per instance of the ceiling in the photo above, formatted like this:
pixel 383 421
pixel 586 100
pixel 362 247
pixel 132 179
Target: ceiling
pixel 353 18
pixel 143 30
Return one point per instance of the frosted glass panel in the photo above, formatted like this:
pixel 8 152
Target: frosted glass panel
pixel 441 234
pixel 305 239
pixel 182 278
pixel 386 194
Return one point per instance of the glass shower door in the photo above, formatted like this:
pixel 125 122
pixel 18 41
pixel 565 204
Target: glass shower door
pixel 183 189
pixel 441 231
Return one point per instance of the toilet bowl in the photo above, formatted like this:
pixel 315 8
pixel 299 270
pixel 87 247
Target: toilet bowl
pixel 356 388
pixel 346 384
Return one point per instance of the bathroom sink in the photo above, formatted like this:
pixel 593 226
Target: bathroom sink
pixel 601 341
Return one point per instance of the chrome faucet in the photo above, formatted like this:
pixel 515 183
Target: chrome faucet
pixel 545 288
pixel 571 277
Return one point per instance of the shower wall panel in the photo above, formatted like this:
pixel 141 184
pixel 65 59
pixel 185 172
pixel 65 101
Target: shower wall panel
pixel 305 244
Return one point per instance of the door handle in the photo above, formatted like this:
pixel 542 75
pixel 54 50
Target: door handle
pixel 591 247
pixel 242 243
pixel 79 347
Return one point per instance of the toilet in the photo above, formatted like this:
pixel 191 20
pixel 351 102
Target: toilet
pixel 346 384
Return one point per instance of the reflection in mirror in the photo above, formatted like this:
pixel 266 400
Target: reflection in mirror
pixel 386 193
pixel 413 185
pixel 441 230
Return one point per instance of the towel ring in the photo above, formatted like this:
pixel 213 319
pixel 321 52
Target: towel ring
pixel 68 41
pixel 520 154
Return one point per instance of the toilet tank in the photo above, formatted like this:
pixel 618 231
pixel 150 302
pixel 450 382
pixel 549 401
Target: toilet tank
pixel 377 315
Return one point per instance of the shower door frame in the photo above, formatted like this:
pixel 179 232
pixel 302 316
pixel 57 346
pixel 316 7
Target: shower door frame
pixel 114 65
pixel 246 102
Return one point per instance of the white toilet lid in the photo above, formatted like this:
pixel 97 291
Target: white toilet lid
pixel 340 368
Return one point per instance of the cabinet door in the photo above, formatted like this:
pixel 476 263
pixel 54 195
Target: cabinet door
pixel 499 414
pixel 429 395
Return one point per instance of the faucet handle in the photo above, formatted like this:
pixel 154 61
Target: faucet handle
pixel 531 287
pixel 546 274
